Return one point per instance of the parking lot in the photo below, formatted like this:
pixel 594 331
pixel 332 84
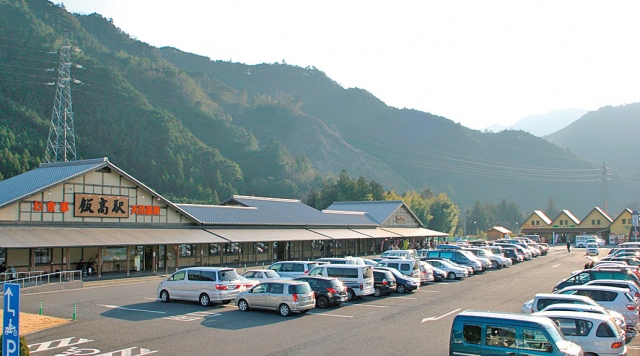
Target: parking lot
pixel 125 318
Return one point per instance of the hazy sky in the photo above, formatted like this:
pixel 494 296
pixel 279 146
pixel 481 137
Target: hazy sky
pixel 475 62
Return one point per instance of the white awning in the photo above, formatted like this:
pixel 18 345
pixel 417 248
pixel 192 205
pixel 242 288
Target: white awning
pixel 415 232
pixel 377 233
pixel 341 234
pixel 32 237
pixel 265 235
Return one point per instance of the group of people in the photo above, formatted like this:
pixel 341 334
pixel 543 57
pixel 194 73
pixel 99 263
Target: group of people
pixel 12 274
pixel 87 268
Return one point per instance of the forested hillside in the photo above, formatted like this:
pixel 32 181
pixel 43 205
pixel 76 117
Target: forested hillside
pixel 199 130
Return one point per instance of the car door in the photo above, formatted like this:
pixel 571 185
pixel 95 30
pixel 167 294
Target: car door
pixel 257 298
pixel 176 285
pixel 192 285
pixel 275 295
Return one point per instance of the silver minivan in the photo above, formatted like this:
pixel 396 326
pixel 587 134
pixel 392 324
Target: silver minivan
pixel 285 296
pixel 202 284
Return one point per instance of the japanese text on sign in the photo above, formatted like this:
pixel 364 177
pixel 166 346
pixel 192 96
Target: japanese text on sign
pixel 87 205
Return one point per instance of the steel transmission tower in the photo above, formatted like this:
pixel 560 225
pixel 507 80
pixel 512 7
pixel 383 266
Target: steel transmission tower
pixel 605 201
pixel 61 146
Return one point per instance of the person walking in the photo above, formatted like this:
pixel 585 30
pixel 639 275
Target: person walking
pixel 568 245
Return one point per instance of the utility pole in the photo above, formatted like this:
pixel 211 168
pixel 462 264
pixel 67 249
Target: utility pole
pixel 605 202
pixel 61 146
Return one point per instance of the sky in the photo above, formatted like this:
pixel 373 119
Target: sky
pixel 476 62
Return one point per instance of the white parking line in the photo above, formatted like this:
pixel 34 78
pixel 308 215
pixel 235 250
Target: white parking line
pixel 556 265
pixel 335 315
pixel 428 291
pixel 410 298
pixel 133 309
pixel 368 305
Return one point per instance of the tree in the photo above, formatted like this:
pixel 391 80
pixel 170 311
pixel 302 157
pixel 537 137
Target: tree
pixel 552 210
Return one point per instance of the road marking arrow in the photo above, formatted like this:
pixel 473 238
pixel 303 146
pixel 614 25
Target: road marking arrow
pixel 9 293
pixel 433 318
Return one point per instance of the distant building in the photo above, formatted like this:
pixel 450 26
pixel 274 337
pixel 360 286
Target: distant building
pixel 497 232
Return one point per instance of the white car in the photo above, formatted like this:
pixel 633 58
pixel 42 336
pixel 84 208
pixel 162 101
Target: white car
pixel 584 308
pixel 618 299
pixel 426 272
pixel 262 275
pixel 592 249
pixel 597 334
pixel 451 271
pixel 618 283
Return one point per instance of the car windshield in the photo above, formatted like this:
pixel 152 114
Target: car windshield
pixel 299 288
pixel 228 275
pixel 271 274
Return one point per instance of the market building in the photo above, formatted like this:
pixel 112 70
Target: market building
pixel 61 213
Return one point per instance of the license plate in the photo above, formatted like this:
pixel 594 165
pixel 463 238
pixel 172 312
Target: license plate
pixel 343 299
pixel 305 299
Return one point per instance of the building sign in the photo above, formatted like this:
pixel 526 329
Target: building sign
pixel 51 207
pixel 401 219
pixel 91 205
pixel 145 210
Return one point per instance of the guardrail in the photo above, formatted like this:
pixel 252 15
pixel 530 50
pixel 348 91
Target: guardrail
pixel 36 278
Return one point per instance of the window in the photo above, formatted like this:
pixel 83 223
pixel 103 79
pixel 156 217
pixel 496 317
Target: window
pixel 574 327
pixel 42 255
pixel 598 222
pixel 533 222
pixel 624 221
pixel 405 267
pixel 187 250
pixel 501 336
pixel 471 333
pixel 593 222
pixel 209 276
pixel 606 330
pixel 178 276
pixel 535 340
pixel 276 288
pixel 194 275
pixel 298 267
pixel 228 275
pixel 214 249
pixel 260 288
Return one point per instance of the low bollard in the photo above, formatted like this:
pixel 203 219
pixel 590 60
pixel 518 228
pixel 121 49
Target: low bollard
pixel 73 317
pixel 40 311
pixel 245 268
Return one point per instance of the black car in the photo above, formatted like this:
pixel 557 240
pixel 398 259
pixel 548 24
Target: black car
pixel 404 283
pixel 510 253
pixel 588 275
pixel 384 283
pixel 329 291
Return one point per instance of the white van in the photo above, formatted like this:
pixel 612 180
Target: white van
pixel 409 268
pixel 582 240
pixel 342 260
pixel 358 279
pixel 203 284
pixel 406 254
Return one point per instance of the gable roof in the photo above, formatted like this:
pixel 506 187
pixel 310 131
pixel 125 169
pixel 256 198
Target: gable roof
pixel 49 175
pixel 605 215
pixel 542 216
pixel 500 229
pixel 570 216
pixel 245 210
pixel 625 210
pixel 379 210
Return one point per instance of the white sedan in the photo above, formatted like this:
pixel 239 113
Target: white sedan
pixel 592 249
pixel 262 275
pixel 452 272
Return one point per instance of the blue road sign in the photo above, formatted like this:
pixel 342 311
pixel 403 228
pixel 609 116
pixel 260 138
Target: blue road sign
pixel 11 320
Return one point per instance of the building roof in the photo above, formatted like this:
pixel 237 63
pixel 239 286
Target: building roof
pixel 500 229
pixel 606 216
pixel 245 210
pixel 49 175
pixel 625 210
pixel 543 216
pixel 379 211
pixel 570 216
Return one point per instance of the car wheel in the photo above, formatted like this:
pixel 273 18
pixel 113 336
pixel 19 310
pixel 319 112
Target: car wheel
pixel 204 299
pixel 402 288
pixel 451 275
pixel 164 296
pixel 226 302
pixel 322 301
pixel 284 310
pixel 243 305
pixel 377 292
pixel 351 295
pixel 494 264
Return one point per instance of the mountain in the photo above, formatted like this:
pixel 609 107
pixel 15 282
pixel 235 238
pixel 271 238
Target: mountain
pixel 542 125
pixel 196 129
pixel 606 137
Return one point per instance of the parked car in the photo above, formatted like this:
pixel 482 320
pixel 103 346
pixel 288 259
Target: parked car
pixel 384 282
pixel 500 333
pixel 618 299
pixel 293 269
pixel 633 288
pixel 461 257
pixel 494 260
pixel 410 267
pixel 584 308
pixel 438 274
pixel 405 284
pixel 285 296
pixel 203 284
pixel 261 275
pixel 342 260
pixel 452 272
pixel 597 334
pixel 631 261
pixel 582 277
pixel 543 247
pixel 406 254
pixel 543 300
pixel 369 262
pixel 328 291
pixel 513 254
pixel 592 249
pixel 357 278
pixel 247 283
pixel 426 272
pixel 469 269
